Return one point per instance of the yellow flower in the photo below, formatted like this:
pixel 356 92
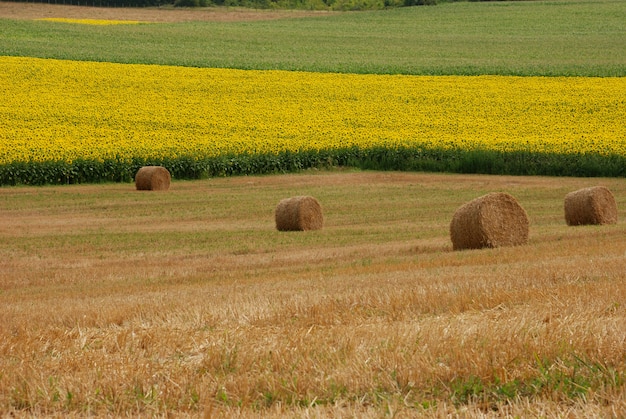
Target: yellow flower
pixel 68 110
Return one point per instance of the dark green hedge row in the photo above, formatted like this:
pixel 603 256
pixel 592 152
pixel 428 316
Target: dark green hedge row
pixel 402 159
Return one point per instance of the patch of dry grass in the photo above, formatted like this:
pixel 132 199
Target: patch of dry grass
pixel 118 302
pixel 19 10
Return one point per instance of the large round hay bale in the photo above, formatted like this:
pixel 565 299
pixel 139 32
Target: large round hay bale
pixel 594 205
pixel 152 178
pixel 299 213
pixel 492 220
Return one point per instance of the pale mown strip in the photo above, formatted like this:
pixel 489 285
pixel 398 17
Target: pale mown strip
pixel 66 110
pixel 99 22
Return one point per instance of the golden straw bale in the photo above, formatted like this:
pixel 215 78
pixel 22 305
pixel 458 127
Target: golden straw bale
pixel 152 178
pixel 492 220
pixel 594 205
pixel 299 213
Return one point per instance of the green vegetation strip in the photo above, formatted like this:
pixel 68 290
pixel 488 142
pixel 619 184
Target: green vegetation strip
pixel 379 158
pixel 508 38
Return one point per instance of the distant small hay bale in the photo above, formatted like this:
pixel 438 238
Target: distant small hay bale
pixel 492 220
pixel 152 178
pixel 299 213
pixel 594 205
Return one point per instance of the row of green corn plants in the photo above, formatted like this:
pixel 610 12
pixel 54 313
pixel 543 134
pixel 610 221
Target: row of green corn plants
pixel 378 158
pixel 71 122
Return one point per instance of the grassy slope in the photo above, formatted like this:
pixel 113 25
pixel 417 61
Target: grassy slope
pixel 527 38
pixel 119 301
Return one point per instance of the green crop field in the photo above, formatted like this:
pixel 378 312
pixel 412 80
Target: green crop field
pixel 583 38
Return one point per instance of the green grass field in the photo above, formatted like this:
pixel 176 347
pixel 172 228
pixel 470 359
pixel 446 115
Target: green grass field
pixel 521 38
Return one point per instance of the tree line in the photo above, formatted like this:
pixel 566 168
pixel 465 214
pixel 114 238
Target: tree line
pixel 337 5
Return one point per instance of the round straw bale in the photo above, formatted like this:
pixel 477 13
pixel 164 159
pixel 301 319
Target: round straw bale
pixel 299 213
pixel 594 205
pixel 152 178
pixel 492 220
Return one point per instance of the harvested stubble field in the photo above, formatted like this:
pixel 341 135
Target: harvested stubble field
pixel 29 11
pixel 123 302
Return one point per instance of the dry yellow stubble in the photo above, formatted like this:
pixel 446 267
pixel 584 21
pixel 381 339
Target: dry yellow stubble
pixel 113 305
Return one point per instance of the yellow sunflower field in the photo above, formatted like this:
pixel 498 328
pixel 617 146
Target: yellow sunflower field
pixel 66 111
